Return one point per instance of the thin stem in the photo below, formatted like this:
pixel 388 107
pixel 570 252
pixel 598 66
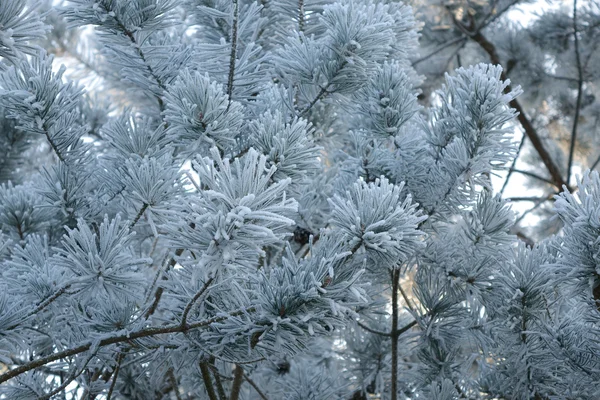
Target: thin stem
pixel 115 375
pixel 528 241
pixel 439 48
pixel 255 386
pixel 301 15
pixel 147 332
pixel 138 216
pixel 405 297
pixel 53 145
pixel 191 303
pixel 579 93
pixel 238 378
pixel 374 331
pixel 218 382
pixel 512 166
pixel 319 96
pixel 159 290
pixel 395 334
pixel 406 327
pixel 533 199
pixel 138 47
pixel 233 55
pixel 532 175
pixel 67 381
pixel 595 164
pixel 174 385
pixel 210 390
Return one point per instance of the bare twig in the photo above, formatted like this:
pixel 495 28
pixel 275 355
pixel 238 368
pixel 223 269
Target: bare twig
pixel 440 48
pixel 205 372
pixel 121 338
pixel 115 375
pixel 301 15
pixel 579 93
pixel 138 216
pixel 238 378
pixel 532 175
pixel 512 166
pixel 374 331
pixel 191 303
pixel 395 274
pixel 174 385
pixel 255 386
pixel 233 53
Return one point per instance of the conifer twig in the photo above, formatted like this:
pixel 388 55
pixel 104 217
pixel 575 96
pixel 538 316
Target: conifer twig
pixel 579 93
pixel 233 53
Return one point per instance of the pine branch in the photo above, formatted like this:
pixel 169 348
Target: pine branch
pixel 253 384
pixel 142 333
pixel 579 93
pixel 374 331
pixel 44 304
pixel 67 381
pixel 159 291
pixel 528 127
pixel 233 54
pixel 205 372
pixel 238 378
pixel 395 334
pixel 301 16
pixel 138 49
pixel 191 303
pixel 115 375
pixel 174 385
pixel 52 144
pixel 218 382
pixel 441 47
pixel 532 175
pixel 318 97
pixel 138 216
pixel 513 164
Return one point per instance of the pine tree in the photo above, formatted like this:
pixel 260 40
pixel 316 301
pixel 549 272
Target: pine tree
pixel 548 47
pixel 248 202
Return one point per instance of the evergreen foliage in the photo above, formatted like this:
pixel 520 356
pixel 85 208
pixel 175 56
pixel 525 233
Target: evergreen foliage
pixel 250 203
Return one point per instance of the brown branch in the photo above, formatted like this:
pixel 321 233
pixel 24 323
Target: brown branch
pixel 513 164
pixel 528 127
pixel 138 47
pixel 532 175
pixel 232 55
pixel 218 382
pixel 191 303
pixel 319 96
pixel 395 283
pixel 68 381
pixel 374 331
pixel 439 48
pixel 301 15
pixel 53 145
pixel 579 93
pixel 238 378
pixel 528 241
pixel 159 291
pixel 173 380
pixel 253 384
pixel 115 375
pixel 147 332
pixel 210 390
pixel 139 215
